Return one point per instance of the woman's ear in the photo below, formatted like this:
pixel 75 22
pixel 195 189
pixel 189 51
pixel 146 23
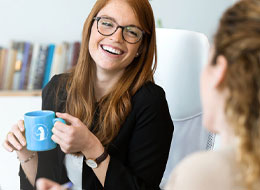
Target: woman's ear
pixel 139 51
pixel 220 70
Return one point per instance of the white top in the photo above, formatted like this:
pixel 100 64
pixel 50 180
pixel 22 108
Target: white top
pixel 74 168
pixel 210 170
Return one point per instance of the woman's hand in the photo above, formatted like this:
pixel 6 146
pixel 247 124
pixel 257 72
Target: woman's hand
pixel 46 184
pixel 74 137
pixel 15 139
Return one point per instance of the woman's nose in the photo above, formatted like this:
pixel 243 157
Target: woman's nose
pixel 118 35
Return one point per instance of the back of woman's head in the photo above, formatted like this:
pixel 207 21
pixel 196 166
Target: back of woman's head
pixel 238 39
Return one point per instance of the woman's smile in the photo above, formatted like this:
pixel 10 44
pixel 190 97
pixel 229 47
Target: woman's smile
pixel 112 51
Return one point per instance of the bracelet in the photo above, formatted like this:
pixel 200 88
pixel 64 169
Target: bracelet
pixel 28 159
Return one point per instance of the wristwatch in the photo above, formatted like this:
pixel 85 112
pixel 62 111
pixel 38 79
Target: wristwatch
pixel 94 163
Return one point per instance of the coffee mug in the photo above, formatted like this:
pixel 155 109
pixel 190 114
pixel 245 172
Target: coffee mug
pixel 38 130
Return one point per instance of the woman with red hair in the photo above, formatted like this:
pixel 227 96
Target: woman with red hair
pixel 119 129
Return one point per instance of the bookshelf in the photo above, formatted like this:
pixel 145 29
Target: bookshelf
pixel 57 23
pixel 20 93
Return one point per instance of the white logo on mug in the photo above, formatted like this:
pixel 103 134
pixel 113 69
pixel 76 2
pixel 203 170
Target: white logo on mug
pixel 40 132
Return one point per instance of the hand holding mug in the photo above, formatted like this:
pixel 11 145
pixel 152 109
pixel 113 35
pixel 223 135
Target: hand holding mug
pixel 38 130
pixel 34 132
pixel 75 136
pixel 15 139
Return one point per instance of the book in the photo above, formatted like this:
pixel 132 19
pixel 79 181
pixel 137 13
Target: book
pixel 3 55
pixel 25 65
pixel 1 72
pixel 30 66
pixel 10 64
pixel 73 53
pixel 49 60
pixel 16 74
pixel 33 66
pixel 69 56
pixel 3 64
pixel 64 58
pixel 40 67
pixel 18 66
pixel 76 51
pixel 27 72
pixel 57 60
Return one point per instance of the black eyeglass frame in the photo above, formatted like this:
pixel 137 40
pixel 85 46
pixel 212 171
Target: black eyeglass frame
pixel 119 26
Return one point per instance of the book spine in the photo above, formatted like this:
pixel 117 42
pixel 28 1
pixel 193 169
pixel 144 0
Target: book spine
pixel 3 67
pixel 26 80
pixel 49 61
pixel 33 67
pixel 40 67
pixel 56 60
pixel 9 69
pixel 25 61
pixel 18 66
pixel 69 57
pixel 64 58
pixel 76 51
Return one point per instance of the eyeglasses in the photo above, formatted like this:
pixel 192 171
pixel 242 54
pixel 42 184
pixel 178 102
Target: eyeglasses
pixel 107 27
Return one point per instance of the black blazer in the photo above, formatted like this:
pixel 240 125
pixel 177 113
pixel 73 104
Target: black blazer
pixel 138 153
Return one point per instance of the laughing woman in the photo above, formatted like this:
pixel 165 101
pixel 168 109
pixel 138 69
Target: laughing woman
pixel 119 129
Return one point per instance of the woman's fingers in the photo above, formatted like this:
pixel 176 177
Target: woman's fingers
pixel 7 146
pixel 69 118
pixel 19 136
pixel 61 127
pixel 45 184
pixel 57 139
pixel 13 141
pixel 21 125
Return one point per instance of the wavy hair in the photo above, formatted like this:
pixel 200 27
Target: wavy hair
pixel 238 39
pixel 115 106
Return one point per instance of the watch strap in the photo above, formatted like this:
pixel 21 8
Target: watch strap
pixel 102 157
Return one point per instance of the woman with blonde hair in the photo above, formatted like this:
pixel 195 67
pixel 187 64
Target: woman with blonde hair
pixel 119 129
pixel 230 89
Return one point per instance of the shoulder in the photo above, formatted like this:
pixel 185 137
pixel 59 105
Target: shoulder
pixel 205 160
pixel 202 171
pixel 54 93
pixel 150 107
pixel 55 82
pixel 149 92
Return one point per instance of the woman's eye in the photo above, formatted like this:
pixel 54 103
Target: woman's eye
pixel 132 33
pixel 108 24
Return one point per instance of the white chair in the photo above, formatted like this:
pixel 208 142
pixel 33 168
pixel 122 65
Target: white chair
pixel 181 56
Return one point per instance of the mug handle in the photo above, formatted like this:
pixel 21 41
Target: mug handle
pixel 58 119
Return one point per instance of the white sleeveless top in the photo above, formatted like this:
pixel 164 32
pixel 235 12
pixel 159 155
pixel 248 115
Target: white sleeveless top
pixel 74 168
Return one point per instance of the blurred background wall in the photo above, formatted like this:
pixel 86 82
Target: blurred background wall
pixel 53 21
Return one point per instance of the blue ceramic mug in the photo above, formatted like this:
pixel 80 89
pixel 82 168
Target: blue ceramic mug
pixel 38 130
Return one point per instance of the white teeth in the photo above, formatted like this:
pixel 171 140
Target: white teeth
pixel 112 50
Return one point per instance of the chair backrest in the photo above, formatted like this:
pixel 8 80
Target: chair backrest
pixel 181 56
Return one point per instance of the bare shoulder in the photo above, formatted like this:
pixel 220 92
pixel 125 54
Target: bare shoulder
pixel 203 170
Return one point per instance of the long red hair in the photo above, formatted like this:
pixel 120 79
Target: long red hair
pixel 116 105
